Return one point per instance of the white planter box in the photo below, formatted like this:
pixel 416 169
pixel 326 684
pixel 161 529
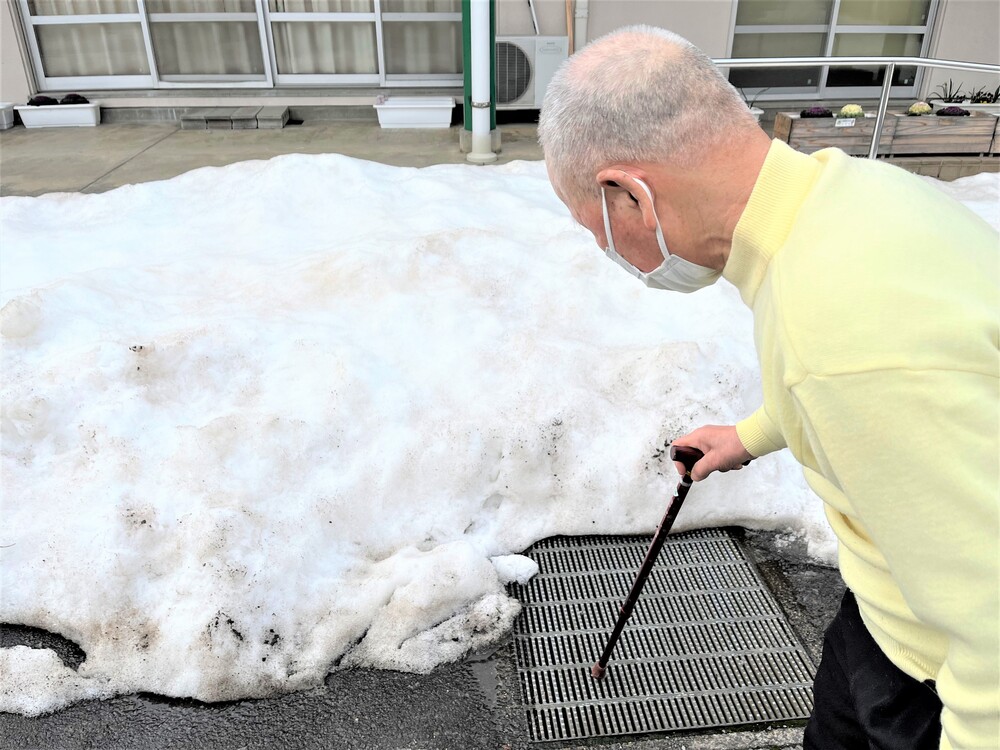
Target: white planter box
pixel 6 115
pixel 60 115
pixel 990 109
pixel 414 111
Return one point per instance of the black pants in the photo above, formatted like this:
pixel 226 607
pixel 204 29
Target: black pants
pixel 862 700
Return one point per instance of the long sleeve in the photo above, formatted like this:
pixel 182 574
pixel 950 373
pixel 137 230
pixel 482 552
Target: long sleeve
pixel 759 434
pixel 917 453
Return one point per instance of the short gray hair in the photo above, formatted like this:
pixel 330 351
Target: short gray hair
pixel 640 93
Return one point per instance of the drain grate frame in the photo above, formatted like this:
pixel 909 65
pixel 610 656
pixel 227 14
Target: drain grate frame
pixel 707 645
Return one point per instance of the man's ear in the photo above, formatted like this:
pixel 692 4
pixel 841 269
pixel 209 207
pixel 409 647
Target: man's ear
pixel 625 178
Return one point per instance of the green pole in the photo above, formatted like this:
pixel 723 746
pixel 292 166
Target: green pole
pixel 493 65
pixel 467 62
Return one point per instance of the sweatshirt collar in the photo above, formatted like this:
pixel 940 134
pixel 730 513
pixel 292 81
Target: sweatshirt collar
pixel 781 187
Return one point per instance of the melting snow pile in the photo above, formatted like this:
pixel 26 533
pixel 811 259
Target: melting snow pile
pixel 269 419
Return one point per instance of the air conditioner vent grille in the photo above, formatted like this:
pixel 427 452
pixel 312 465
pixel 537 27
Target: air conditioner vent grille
pixel 513 72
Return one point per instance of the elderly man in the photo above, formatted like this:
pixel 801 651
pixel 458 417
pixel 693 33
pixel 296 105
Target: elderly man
pixel 875 311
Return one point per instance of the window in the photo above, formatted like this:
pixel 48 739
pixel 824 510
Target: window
pixel 839 28
pixel 199 41
pixel 423 41
pixel 325 41
pixel 243 43
pixel 87 43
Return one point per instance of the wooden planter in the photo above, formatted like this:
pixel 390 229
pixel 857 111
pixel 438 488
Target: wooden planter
pixel 930 134
pixel 808 134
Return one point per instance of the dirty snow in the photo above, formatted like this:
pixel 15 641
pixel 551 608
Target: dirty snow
pixel 282 417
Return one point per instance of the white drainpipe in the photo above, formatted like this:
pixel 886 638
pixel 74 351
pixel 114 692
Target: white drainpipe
pixel 479 27
pixel 580 33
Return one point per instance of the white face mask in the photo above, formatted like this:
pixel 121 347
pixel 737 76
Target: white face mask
pixel 675 273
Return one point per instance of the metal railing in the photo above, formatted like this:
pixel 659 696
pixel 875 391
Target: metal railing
pixel 889 63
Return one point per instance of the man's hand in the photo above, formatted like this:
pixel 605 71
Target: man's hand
pixel 721 446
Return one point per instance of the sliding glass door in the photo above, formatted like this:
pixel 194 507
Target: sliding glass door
pixel 86 44
pixel 125 44
pixel 423 42
pixel 325 41
pixel 208 42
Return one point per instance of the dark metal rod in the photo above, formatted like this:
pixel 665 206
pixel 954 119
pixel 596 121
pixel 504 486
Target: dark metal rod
pixel 689 457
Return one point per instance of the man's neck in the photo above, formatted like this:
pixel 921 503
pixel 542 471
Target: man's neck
pixel 709 200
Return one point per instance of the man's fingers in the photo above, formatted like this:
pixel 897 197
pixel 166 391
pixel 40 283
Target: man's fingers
pixel 721 446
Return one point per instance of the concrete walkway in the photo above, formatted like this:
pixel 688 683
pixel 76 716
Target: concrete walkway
pixel 475 705
pixel 93 160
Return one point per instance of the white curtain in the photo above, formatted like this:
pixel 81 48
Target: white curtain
pixel 89 49
pixel 324 47
pixel 423 47
pixel 422 6
pixel 327 47
pixel 208 48
pixel 413 47
pixel 80 7
pixel 321 6
pixel 200 6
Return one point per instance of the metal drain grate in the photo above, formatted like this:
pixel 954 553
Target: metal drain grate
pixel 706 646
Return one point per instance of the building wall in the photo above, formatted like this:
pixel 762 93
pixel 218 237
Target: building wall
pixel 13 79
pixel 707 23
pixel 966 30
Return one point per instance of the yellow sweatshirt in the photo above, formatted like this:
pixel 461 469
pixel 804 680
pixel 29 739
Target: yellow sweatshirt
pixel 875 301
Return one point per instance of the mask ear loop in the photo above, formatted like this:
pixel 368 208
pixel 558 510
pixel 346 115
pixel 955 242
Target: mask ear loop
pixel 607 221
pixel 659 231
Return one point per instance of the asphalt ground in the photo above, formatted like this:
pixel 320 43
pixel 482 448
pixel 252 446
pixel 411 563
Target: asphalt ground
pixel 471 705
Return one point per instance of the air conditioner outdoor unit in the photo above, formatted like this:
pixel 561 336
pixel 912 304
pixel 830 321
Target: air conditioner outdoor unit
pixel 525 65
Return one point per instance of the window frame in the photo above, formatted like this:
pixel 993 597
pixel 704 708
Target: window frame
pixel 265 19
pixel 823 90
pixel 56 83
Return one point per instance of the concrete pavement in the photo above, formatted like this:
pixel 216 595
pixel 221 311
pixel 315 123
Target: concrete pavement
pixel 93 160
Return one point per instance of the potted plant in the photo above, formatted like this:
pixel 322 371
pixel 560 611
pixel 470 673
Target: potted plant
pixel 72 110
pixel 850 112
pixel 983 100
pixel 414 111
pixel 976 100
pixel 751 103
pixel 947 93
pixel 812 112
